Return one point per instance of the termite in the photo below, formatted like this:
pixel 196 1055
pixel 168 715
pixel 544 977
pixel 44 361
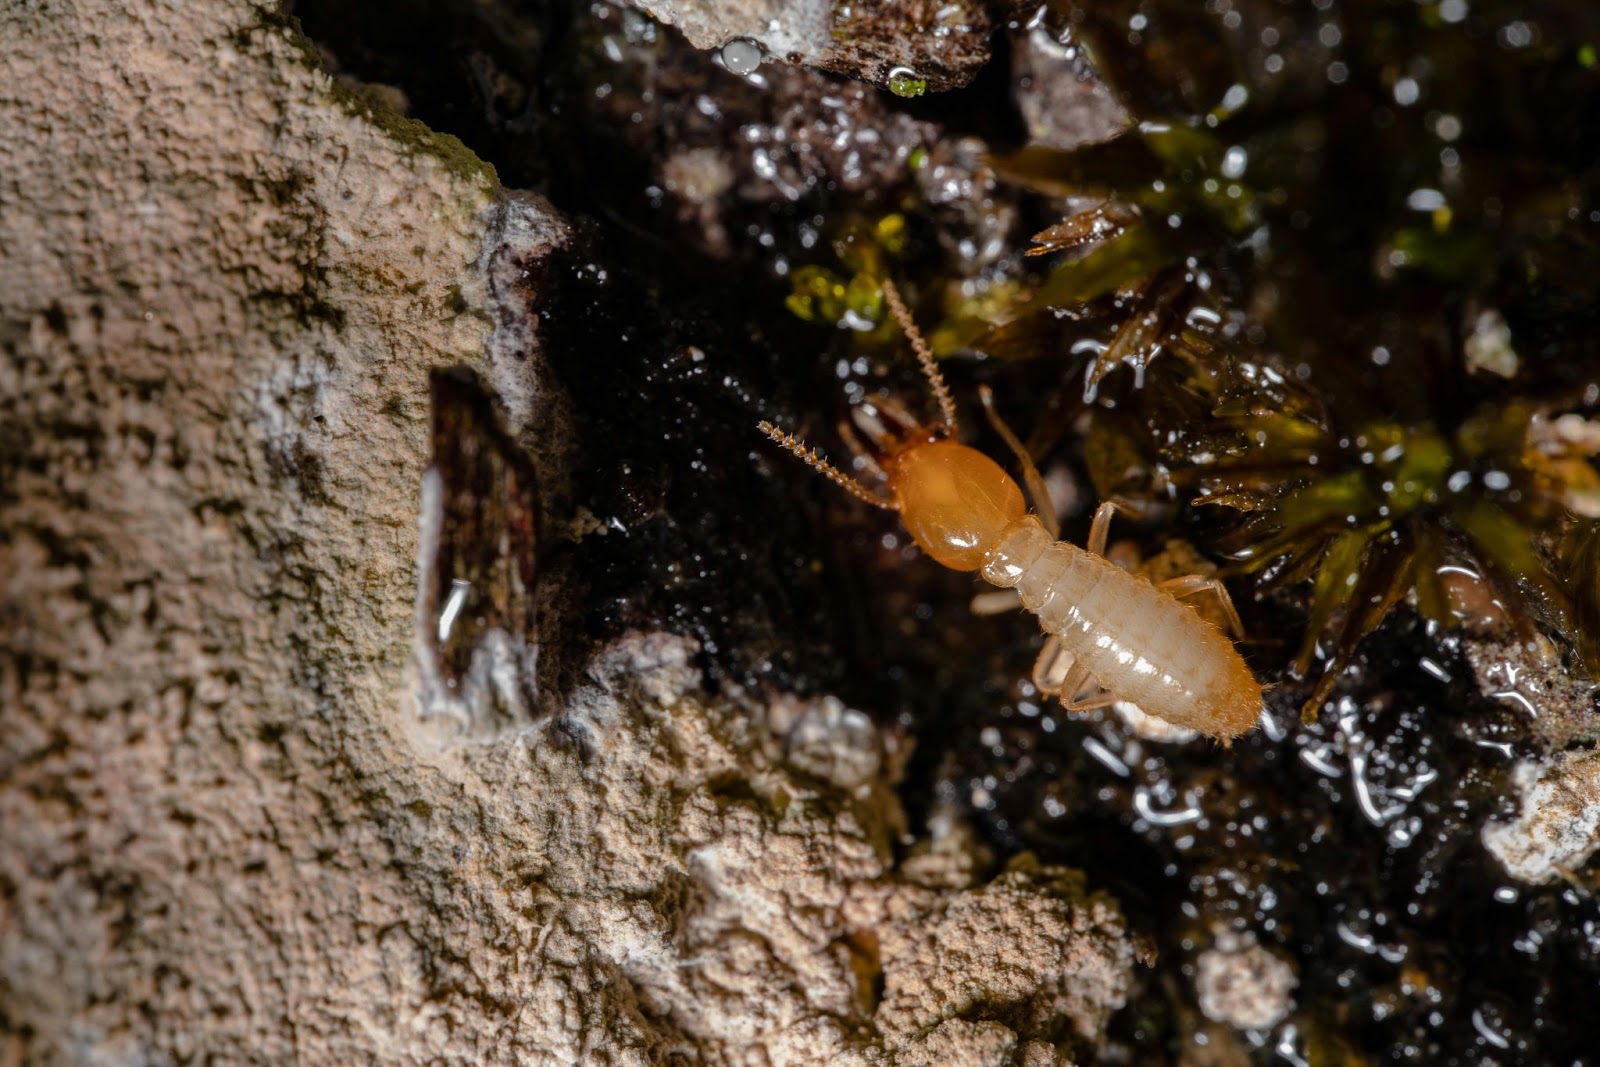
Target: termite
pixel 1135 640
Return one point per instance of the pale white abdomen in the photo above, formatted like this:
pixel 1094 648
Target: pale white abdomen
pixel 1138 642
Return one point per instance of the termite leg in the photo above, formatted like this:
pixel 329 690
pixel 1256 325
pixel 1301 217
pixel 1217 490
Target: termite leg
pixel 1043 506
pixel 995 602
pixel 859 448
pixel 1077 677
pixel 1099 699
pixel 1073 679
pixel 1072 686
pixel 1045 666
pixel 1200 584
pixel 1100 528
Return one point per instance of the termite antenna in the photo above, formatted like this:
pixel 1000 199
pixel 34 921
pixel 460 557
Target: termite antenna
pixel 809 456
pixel 897 307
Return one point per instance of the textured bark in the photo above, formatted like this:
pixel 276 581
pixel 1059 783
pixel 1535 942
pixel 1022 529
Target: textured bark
pixel 245 815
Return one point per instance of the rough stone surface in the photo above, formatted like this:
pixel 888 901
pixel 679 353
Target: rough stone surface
pixel 239 823
pixel 1555 707
pixel 1244 985
pixel 1056 977
pixel 1558 827
pixel 780 136
pixel 935 42
pixel 1062 99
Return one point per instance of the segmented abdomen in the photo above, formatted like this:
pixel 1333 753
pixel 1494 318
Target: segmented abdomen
pixel 1138 642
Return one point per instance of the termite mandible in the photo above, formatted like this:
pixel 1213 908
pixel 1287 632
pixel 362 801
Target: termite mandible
pixel 1136 640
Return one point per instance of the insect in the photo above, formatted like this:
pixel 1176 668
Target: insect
pixel 1137 641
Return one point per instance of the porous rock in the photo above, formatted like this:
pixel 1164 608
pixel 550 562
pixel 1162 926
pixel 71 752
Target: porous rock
pixel 784 135
pixel 1064 969
pixel 917 45
pixel 1062 99
pixel 1557 828
pixel 1244 985
pixel 1556 708
pixel 237 824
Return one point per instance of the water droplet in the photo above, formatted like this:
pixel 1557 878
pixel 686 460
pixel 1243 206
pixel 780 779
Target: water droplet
pixel 1404 831
pixel 452 607
pixel 903 81
pixel 1483 1022
pixel 1105 756
pixel 1425 200
pixel 1434 669
pixel 1144 802
pixel 742 55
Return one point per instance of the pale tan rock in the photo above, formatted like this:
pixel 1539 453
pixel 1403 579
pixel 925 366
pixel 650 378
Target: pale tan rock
pixel 1243 984
pixel 1066 965
pixel 914 46
pixel 1554 706
pixel 241 820
pixel 1062 99
pixel 1557 828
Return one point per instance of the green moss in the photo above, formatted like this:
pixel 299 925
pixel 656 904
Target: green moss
pixel 1338 236
pixel 459 161
pixel 1307 254
pixel 1369 514
pixel 907 85
pixel 864 247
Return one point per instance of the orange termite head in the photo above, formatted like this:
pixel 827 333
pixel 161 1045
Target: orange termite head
pixel 955 501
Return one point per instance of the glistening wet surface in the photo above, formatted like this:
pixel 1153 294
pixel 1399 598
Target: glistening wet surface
pixel 1359 264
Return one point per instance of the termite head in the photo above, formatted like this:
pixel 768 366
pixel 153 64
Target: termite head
pixel 955 501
